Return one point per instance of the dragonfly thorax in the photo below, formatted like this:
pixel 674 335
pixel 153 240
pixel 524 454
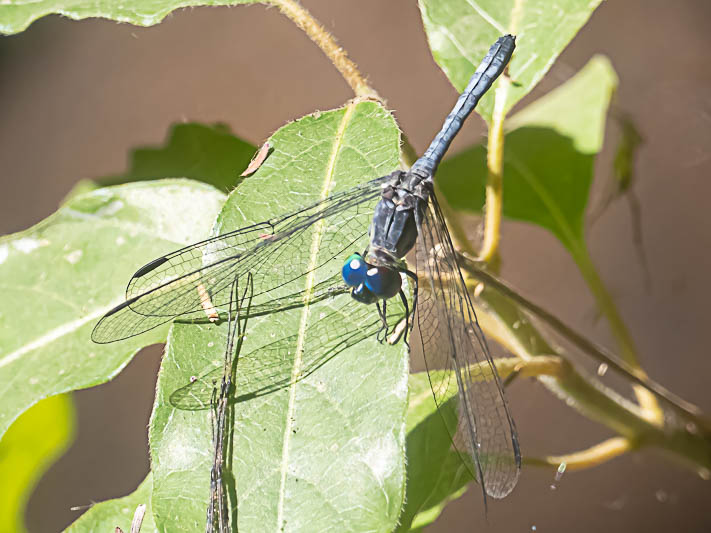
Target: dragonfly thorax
pixel 393 231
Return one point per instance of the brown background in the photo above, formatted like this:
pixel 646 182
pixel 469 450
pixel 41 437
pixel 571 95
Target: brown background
pixel 77 96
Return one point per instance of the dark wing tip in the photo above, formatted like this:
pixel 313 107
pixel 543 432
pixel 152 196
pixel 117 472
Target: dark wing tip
pixel 148 267
pixel 103 333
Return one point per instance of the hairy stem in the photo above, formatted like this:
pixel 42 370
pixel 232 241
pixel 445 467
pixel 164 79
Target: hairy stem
pixel 295 12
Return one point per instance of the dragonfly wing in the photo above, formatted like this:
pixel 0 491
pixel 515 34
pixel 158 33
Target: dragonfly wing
pixel 459 363
pixel 268 368
pixel 195 280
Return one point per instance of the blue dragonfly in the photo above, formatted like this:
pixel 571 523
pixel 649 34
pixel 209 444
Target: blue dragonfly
pixel 387 218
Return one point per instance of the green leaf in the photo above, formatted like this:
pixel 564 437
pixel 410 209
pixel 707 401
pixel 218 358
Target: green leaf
pixel 436 474
pixel 16 16
pixel 549 158
pixel 461 31
pixel 60 276
pixel 210 154
pixel 27 450
pixel 108 515
pixel 322 452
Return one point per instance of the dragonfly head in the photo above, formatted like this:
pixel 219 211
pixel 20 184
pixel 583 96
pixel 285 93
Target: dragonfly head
pixel 370 283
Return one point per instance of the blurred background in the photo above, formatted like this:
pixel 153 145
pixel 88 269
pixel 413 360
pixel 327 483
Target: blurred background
pixel 78 96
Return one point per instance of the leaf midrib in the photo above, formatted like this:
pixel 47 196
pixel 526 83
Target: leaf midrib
pixel 305 312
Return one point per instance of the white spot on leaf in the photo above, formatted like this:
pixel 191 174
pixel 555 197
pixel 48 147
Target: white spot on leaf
pixel 110 209
pixel 28 244
pixel 4 252
pixel 74 257
pixel 383 457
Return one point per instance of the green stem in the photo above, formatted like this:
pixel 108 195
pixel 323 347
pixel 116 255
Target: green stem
pixel 628 350
pixel 589 457
pixel 494 177
pixel 598 353
pixel 503 321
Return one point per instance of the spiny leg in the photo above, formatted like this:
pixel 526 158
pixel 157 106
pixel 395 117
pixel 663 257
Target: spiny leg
pixel 415 292
pixel 408 321
pixel 384 324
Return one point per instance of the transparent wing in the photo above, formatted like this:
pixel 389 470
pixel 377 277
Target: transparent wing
pixel 197 279
pixel 458 362
pixel 269 367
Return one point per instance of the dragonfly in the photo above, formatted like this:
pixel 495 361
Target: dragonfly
pixel 260 372
pixel 372 227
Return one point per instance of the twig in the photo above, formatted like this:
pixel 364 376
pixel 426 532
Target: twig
pixel 503 321
pixel 598 352
pixel 494 177
pixel 587 458
pixel 628 350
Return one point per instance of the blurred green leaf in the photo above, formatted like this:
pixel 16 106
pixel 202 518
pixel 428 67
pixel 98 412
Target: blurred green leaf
pixel 461 31
pixel 210 154
pixel 60 276
pixel 436 474
pixel 31 445
pixel 549 158
pixel 325 452
pixel 16 16
pixel 106 516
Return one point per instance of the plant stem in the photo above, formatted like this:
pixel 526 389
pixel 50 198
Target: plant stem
pixel 540 365
pixel 295 12
pixel 587 458
pixel 494 177
pixel 598 353
pixel 628 350
pixel 504 322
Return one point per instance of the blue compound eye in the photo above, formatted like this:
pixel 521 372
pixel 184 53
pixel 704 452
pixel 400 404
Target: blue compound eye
pixel 354 270
pixel 383 281
pixel 363 295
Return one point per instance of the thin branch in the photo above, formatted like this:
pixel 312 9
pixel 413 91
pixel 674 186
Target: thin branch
pixel 506 323
pixel 295 12
pixel 588 458
pixel 628 350
pixel 590 398
pixel 494 178
pixel 540 365
pixel 597 352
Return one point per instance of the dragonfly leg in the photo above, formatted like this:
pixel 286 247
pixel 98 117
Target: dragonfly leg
pixel 383 332
pixel 414 279
pixel 408 319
